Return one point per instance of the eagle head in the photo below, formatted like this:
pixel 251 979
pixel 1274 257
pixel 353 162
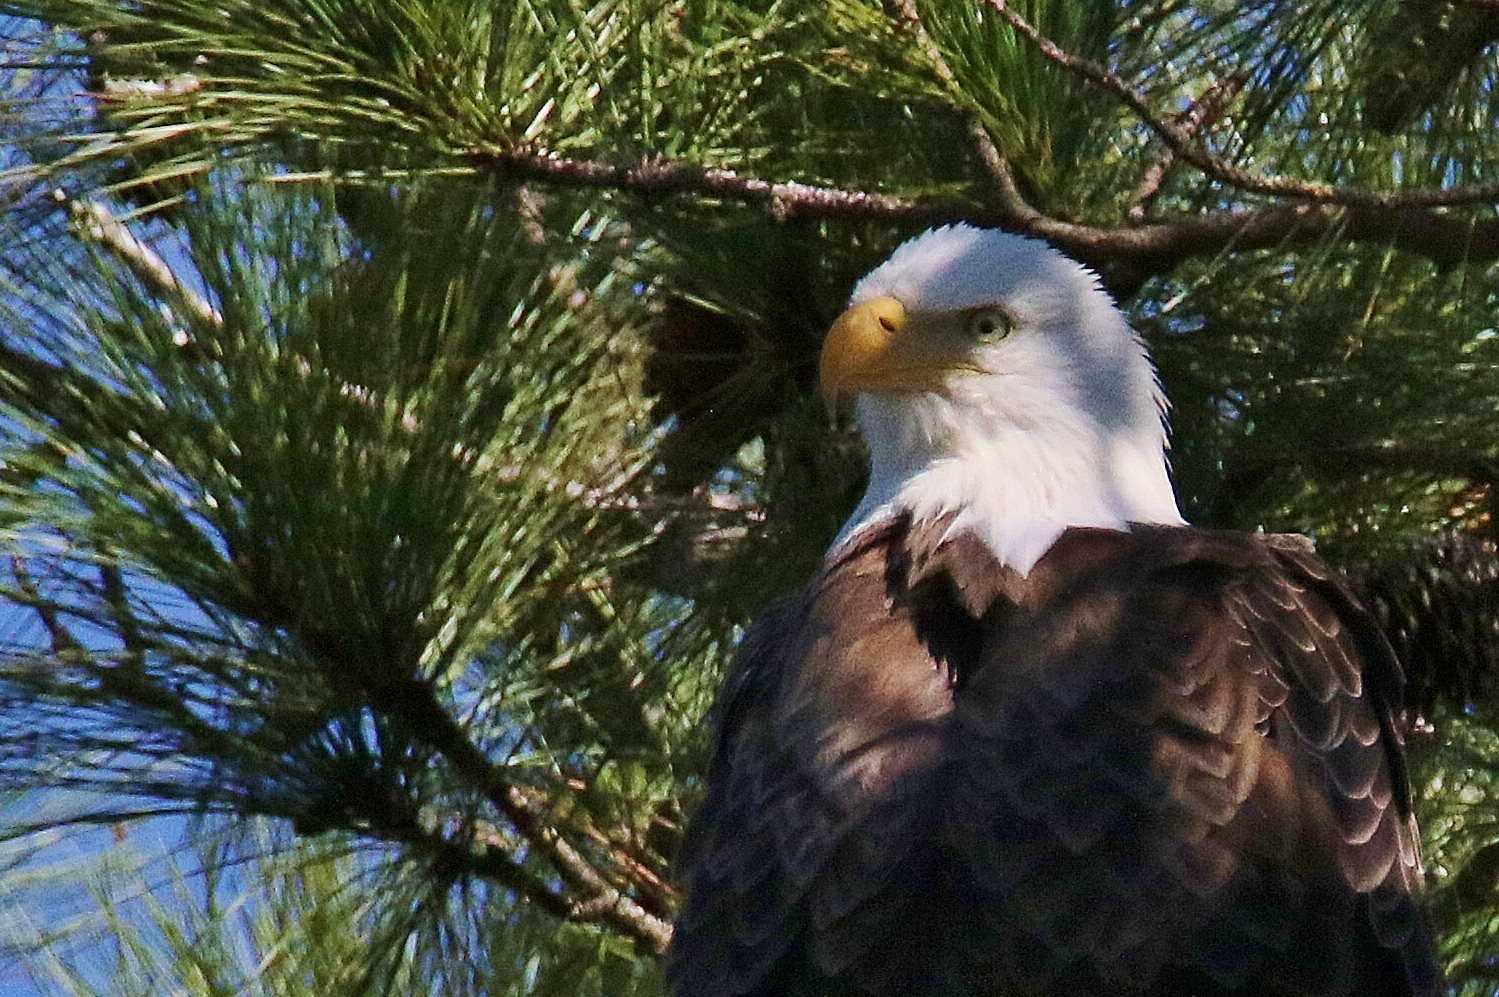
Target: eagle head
pixel 995 381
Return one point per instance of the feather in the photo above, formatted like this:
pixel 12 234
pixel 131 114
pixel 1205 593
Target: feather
pixel 1085 795
pixel 1028 733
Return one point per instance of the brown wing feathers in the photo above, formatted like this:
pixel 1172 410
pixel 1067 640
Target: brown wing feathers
pixel 1164 762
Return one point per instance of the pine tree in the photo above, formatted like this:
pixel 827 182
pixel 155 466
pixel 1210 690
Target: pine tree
pixel 404 403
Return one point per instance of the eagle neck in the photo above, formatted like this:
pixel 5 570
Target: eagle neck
pixel 1016 486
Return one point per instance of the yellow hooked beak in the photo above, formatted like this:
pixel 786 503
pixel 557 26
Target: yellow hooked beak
pixel 871 348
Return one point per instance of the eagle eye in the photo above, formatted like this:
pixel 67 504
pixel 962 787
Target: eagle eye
pixel 989 325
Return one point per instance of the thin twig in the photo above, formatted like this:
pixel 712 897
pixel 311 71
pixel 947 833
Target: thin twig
pixel 1007 191
pixel 63 641
pixel 100 226
pixel 112 589
pixel 1183 143
pixel 602 901
pixel 638 872
pixel 485 859
pixel 1192 121
pixel 599 900
pixel 659 178
pixel 96 223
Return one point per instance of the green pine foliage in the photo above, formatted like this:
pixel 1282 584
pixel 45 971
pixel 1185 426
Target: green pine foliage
pixel 384 481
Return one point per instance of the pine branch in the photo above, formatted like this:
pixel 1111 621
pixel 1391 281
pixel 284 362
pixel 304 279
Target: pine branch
pixel 1183 143
pixel 485 860
pixel 659 178
pixel 1416 53
pixel 380 816
pixel 1199 116
pixel 598 900
pixel 98 224
pixel 662 894
pixel 1129 254
pixel 429 723
pixel 1007 191
pixel 590 895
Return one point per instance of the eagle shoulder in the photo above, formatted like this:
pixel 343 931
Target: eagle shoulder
pixel 1165 760
pixel 831 717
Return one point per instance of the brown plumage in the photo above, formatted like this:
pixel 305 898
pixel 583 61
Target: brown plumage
pixel 1165 761
pixel 1028 734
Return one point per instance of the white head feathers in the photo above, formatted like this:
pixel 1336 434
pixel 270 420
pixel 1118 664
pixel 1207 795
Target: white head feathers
pixel 1058 423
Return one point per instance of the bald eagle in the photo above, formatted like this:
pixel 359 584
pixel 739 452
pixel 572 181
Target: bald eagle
pixel 1026 732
